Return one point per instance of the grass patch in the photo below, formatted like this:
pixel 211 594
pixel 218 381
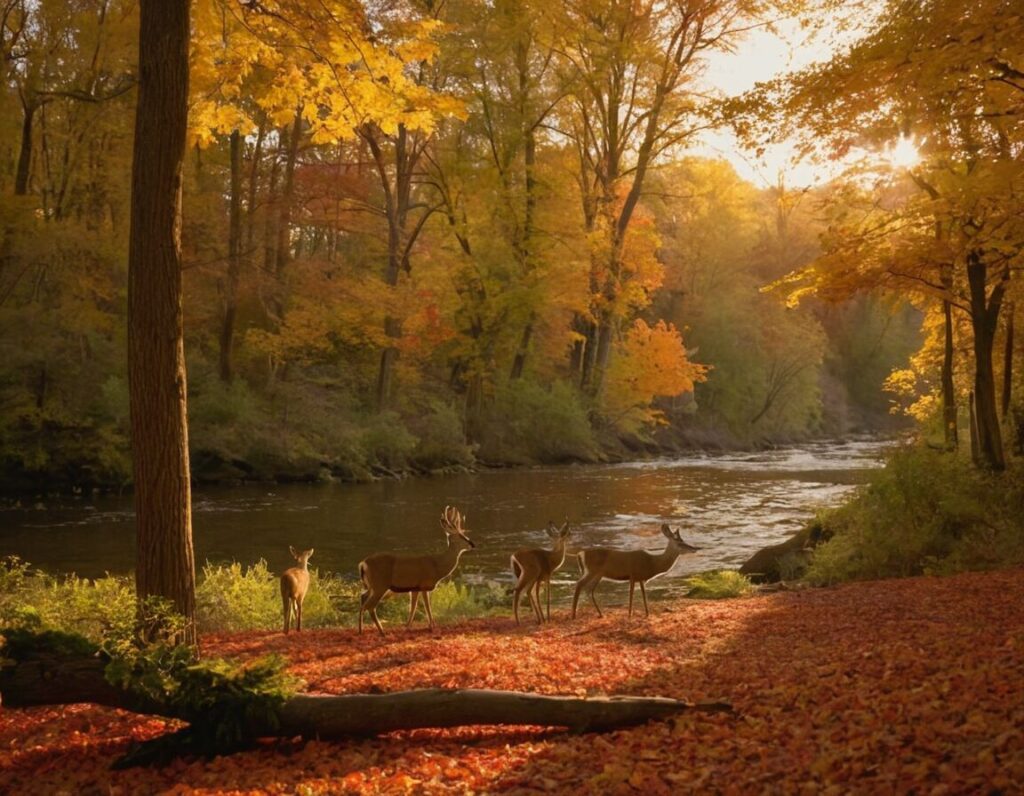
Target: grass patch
pixel 721 584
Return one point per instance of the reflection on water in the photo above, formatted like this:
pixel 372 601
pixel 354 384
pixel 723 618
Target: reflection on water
pixel 729 504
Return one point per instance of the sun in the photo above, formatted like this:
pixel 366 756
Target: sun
pixel 903 154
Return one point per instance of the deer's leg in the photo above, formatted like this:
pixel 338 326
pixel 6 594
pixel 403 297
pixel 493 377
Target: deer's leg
pixel 414 600
pixel 580 585
pixel 643 593
pixel 286 604
pixel 430 616
pixel 535 602
pixel 632 585
pixel 298 614
pixel 593 598
pixel 369 603
pixel 517 594
pixel 549 599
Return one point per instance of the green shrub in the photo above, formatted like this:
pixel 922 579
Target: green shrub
pixel 230 598
pixel 441 439
pixel 924 512
pixel 528 423
pixel 718 585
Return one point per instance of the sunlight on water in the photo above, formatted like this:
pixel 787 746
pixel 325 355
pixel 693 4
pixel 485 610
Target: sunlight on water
pixel 730 505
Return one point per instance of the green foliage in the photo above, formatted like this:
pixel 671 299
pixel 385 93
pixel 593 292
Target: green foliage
pixel 530 423
pixel 925 512
pixel 441 440
pixel 719 584
pixel 231 598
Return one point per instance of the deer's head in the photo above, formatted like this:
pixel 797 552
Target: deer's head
pixel 452 524
pixel 560 535
pixel 672 534
pixel 303 557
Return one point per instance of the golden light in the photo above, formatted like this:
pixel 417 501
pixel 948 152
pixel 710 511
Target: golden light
pixel 903 154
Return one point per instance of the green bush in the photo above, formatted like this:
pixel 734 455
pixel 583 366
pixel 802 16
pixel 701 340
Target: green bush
pixel 718 585
pixel 442 440
pixel 924 512
pixel 529 423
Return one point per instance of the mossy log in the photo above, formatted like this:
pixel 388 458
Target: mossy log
pixel 48 680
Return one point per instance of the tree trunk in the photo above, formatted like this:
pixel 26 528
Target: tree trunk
pixel 24 168
pixel 984 317
pixel 1008 363
pixel 46 680
pixel 949 421
pixel 519 361
pixel 284 223
pixel 165 565
pixel 227 329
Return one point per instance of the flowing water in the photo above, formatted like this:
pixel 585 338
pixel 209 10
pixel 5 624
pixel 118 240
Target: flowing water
pixel 730 505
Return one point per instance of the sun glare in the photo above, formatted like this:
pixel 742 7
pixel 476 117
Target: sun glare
pixel 903 154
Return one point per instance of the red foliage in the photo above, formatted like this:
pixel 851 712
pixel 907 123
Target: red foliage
pixel 886 687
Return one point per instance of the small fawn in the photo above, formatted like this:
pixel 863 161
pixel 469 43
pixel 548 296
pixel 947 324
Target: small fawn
pixel 636 566
pixel 532 567
pixel 294 585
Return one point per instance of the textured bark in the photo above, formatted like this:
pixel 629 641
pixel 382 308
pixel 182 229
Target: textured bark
pixel 24 167
pixel 949 420
pixel 48 681
pixel 284 222
pixel 230 290
pixel 1008 363
pixel 984 318
pixel 165 565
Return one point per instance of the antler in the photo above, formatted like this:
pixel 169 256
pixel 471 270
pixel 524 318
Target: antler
pixel 451 518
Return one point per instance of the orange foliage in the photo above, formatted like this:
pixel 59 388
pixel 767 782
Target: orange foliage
pixel 886 687
pixel 651 362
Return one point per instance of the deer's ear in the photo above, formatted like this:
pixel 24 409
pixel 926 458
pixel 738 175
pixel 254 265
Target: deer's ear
pixel 292 551
pixel 666 530
pixel 565 528
pixel 309 553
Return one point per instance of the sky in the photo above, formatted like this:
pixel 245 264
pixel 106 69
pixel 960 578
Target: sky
pixel 761 56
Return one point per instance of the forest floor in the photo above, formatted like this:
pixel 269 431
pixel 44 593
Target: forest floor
pixel 895 686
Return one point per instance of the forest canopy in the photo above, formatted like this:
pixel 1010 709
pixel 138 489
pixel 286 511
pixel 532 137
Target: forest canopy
pixel 423 234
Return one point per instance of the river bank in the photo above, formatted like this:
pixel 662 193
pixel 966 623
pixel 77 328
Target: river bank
pixel 890 686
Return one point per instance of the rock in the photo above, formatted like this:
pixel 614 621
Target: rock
pixel 788 559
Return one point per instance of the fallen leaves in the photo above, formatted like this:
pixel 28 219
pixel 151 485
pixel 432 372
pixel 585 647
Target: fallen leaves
pixel 893 686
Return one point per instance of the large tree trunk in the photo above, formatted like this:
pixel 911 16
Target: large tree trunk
pixel 156 354
pixel 949 420
pixel 227 329
pixel 46 680
pixel 984 318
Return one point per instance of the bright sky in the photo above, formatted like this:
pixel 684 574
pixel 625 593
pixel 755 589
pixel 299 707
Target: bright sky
pixel 761 56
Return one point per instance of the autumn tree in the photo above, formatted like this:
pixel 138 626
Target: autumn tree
pixel 630 67
pixel 156 357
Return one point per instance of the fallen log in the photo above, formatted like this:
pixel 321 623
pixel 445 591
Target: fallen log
pixel 46 679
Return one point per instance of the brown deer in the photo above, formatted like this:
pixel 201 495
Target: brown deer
pixel 294 585
pixel 636 566
pixel 384 572
pixel 533 567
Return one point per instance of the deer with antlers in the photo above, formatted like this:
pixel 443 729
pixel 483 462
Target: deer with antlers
pixel 636 566
pixel 385 572
pixel 533 567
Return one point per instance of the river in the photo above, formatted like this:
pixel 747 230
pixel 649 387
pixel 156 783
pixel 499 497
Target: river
pixel 730 505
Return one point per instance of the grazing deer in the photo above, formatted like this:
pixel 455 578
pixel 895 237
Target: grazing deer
pixel 384 572
pixel 532 567
pixel 636 566
pixel 294 585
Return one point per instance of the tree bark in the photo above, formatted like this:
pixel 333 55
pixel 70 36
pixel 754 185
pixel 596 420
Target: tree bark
pixel 1008 363
pixel 227 329
pixel 24 168
pixel 165 565
pixel 49 681
pixel 984 317
pixel 949 420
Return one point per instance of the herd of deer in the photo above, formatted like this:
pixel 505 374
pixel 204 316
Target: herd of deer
pixel 532 567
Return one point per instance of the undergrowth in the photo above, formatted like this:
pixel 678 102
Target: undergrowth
pixel 925 512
